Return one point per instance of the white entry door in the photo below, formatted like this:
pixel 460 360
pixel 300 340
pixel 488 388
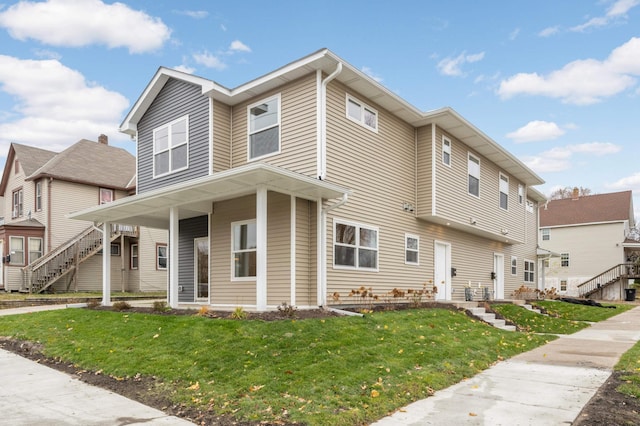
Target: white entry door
pixel 442 273
pixel 498 282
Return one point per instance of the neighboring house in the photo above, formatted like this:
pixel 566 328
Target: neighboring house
pixel 315 180
pixel 587 236
pixel 43 250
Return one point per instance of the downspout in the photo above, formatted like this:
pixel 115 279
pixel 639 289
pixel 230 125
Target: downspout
pixel 322 173
pixel 322 299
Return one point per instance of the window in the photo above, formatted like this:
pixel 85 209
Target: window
pixel 355 246
pixel 563 285
pixel 546 234
pixel 38 206
pixel 161 256
pixel 17 203
pixel 264 128
pixel 411 249
pixel 244 249
pixel 564 260
pixel 520 194
pixel 530 206
pixel 514 265
pixel 474 175
pixel 504 192
pixel 134 256
pixel 114 249
pixel 171 147
pixel 17 250
pixel 446 151
pixel 362 113
pixel 106 195
pixel 35 249
pixel 529 271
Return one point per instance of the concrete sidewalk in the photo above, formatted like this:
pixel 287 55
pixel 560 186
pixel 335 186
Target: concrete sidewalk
pixel 546 386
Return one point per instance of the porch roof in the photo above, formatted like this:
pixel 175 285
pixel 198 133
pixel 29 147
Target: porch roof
pixel 195 197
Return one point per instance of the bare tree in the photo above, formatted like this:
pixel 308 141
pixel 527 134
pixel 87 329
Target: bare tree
pixel 567 192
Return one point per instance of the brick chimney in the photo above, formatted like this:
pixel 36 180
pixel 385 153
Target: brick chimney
pixel 576 193
pixel 103 139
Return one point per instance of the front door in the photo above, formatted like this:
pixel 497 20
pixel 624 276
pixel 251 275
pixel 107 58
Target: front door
pixel 442 273
pixel 498 282
pixel 201 262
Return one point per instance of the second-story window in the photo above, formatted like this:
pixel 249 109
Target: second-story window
pixel 564 260
pixel 171 147
pixel 504 192
pixel 474 175
pixel 106 195
pixel 38 205
pixel 446 151
pixel 264 128
pixel 362 113
pixel 546 234
pixel 520 194
pixel 16 211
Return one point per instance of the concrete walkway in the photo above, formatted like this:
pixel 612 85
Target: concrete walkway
pixel 546 386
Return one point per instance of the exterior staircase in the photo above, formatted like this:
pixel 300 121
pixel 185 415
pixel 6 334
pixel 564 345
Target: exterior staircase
pixel 64 260
pixel 618 274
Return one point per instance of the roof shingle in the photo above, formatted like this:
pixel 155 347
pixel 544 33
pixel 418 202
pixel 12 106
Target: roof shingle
pixel 611 207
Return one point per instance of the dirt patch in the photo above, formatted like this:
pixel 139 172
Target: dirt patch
pixel 610 407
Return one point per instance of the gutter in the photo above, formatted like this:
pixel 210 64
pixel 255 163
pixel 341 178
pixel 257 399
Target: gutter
pixel 322 172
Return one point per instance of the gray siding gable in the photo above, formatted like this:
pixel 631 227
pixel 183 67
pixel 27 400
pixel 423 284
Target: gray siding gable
pixel 176 99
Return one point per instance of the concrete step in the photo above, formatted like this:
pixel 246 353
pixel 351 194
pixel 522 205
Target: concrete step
pixel 531 308
pixel 508 327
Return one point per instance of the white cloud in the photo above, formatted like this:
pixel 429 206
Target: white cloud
pixel 536 131
pixel 54 105
pixel 368 71
pixel 617 12
pixel 72 23
pixel 184 68
pixel 209 60
pixel 581 82
pixel 47 54
pixel 514 34
pixel 595 148
pixel 238 46
pixel 629 182
pixel 561 158
pixel 195 14
pixel 549 31
pixel 453 66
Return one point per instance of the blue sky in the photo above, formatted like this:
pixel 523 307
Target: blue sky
pixel 555 83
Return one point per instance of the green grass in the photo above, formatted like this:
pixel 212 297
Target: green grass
pixel 78 295
pixel 629 364
pixel 536 323
pixel 575 312
pixel 339 371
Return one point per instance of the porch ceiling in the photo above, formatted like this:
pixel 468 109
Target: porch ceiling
pixel 195 197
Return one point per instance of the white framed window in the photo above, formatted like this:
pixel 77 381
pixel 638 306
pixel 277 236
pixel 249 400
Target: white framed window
pixel 161 257
pixel 35 248
pixel 563 285
pixel 38 206
pixel 474 175
pixel 546 234
pixel 171 147
pixel 106 195
pixel 264 128
pixel 133 263
pixel 514 265
pixel 362 113
pixel 504 192
pixel 411 249
pixel 243 250
pixel 530 206
pixel 355 246
pixel 446 151
pixel 16 246
pixel 17 209
pixel 520 193
pixel 564 260
pixel 529 271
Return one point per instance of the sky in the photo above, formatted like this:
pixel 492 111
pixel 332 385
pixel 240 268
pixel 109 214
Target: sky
pixel 556 83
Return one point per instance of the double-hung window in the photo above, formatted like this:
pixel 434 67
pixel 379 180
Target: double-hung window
pixel 134 256
pixel 355 246
pixel 411 249
pixel 362 113
pixel 504 192
pixel 520 193
pixel 264 128
pixel 171 147
pixel 474 175
pixel 546 234
pixel 35 249
pixel 38 196
pixel 446 151
pixel 161 257
pixel 514 265
pixel 529 271
pixel 244 250
pixel 16 244
pixel 564 260
pixel 17 203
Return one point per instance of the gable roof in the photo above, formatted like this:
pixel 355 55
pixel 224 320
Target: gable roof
pixel 326 61
pixel 30 158
pixel 611 207
pixel 90 163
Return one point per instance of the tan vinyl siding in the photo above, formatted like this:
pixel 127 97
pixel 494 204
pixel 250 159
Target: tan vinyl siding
pixel 298 147
pixel 424 168
pixel 306 248
pixel 151 279
pixel 223 290
pixel 221 136
pixel 278 248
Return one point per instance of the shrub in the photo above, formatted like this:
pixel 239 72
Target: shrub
pixel 239 313
pixel 93 303
pixel 287 310
pixel 121 305
pixel 160 306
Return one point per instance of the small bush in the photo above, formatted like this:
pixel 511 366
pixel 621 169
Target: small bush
pixel 160 306
pixel 121 306
pixel 203 311
pixel 93 303
pixel 287 310
pixel 239 313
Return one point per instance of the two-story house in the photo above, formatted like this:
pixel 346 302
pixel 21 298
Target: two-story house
pixel 42 249
pixel 590 236
pixel 314 180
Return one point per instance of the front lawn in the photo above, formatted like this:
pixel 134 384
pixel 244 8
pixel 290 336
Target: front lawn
pixel 576 312
pixel 338 370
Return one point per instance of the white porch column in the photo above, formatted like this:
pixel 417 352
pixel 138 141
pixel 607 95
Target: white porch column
pixel 261 249
pixel 321 239
pixel 172 295
pixel 106 264
pixel 292 242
